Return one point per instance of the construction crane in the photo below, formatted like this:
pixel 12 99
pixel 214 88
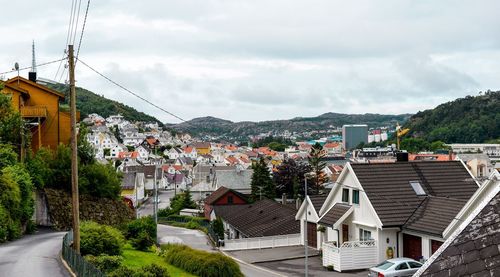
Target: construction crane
pixel 400 132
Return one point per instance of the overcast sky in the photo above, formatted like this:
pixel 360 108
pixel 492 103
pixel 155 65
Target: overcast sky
pixel 260 60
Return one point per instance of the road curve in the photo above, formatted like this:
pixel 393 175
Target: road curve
pixel 33 255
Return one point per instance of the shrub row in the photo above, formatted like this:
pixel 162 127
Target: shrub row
pixel 96 239
pixel 152 270
pixel 200 263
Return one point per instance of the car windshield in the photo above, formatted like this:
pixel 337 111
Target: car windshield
pixel 384 265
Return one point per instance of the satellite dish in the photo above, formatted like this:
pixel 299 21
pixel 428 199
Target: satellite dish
pixel 16 66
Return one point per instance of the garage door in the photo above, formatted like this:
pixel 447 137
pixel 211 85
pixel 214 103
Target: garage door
pixel 412 246
pixel 312 235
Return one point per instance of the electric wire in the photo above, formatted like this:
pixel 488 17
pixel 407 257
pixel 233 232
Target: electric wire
pixel 67 38
pixel 83 30
pixel 29 67
pixel 77 21
pixel 131 92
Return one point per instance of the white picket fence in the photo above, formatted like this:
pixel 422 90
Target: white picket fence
pixel 261 242
pixel 350 255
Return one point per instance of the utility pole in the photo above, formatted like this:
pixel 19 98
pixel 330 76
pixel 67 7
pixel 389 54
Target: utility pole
pixel 74 153
pixel 306 242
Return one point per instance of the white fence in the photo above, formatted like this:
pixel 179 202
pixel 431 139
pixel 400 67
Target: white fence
pixel 261 242
pixel 351 255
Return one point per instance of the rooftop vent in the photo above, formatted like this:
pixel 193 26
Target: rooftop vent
pixel 417 188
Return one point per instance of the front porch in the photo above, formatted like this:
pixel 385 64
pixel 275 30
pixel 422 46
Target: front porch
pixel 351 255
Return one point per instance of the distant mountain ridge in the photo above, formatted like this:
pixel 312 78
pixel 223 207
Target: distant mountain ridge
pixel 212 126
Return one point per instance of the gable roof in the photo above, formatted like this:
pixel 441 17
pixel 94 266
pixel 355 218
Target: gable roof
pixel 387 185
pixel 34 84
pixel 198 145
pixel 128 181
pixel 434 214
pixel 334 214
pixel 262 218
pixel 220 192
pixel 317 201
pixel 234 179
pixel 474 250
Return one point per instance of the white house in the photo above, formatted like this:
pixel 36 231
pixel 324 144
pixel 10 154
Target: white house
pixel 143 153
pixel 383 210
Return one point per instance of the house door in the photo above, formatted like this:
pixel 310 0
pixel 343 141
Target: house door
pixel 412 247
pixel 312 235
pixel 345 233
pixel 435 245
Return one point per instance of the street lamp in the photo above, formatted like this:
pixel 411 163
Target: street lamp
pixel 306 242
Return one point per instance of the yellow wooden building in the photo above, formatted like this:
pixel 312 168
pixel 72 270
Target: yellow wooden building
pixel 39 107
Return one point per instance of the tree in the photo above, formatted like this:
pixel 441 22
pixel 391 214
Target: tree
pixel 315 160
pixel 414 145
pixel 262 183
pixel 11 124
pixel 85 149
pixel 289 177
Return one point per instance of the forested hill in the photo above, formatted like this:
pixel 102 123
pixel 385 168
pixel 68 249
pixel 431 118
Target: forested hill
pixel 473 119
pixel 211 126
pixel 88 102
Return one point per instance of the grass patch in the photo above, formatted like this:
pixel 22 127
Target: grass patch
pixel 136 259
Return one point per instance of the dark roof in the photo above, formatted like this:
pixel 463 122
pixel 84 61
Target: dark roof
pixel 475 251
pixel 317 201
pixel 434 214
pixel 216 195
pixel 262 218
pixel 148 170
pixel 387 185
pixel 334 214
pixel 128 181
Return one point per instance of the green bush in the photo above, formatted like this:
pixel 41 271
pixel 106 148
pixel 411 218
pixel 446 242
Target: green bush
pixel 200 263
pixel 105 263
pixel 193 225
pixel 218 227
pixel 152 270
pixel 141 232
pixel 96 239
pixel 165 212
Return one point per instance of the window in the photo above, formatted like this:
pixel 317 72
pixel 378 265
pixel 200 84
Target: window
pixel 364 235
pixel 355 196
pixel 230 199
pixel 402 266
pixel 345 195
pixel 384 265
pixel 417 187
pixel 414 264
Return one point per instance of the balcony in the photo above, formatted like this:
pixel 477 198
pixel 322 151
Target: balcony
pixel 34 111
pixel 350 255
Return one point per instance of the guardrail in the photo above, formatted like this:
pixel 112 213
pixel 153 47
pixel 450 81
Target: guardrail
pixel 76 262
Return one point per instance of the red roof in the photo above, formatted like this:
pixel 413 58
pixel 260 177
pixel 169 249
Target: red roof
pixel 232 160
pixel 176 167
pixel 188 149
pixel 431 157
pixel 152 141
pixel 220 192
pixel 123 155
pixel 331 145
pixel 231 147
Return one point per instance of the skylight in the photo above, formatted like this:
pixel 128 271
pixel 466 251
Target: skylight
pixel 417 188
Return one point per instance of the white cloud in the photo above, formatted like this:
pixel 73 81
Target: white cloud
pixel 257 60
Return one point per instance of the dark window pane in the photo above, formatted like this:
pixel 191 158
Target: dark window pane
pixel 355 196
pixel 345 195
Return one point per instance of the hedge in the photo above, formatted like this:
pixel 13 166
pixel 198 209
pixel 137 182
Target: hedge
pixel 97 239
pixel 200 263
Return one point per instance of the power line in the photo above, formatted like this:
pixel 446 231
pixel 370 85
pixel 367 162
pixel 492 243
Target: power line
pixel 77 20
pixel 67 38
pixel 83 30
pixel 131 92
pixel 29 67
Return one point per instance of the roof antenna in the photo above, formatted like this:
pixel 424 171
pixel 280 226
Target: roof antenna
pixel 32 73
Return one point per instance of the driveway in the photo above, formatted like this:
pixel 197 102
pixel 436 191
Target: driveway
pixel 295 267
pixel 272 254
pixel 198 240
pixel 33 255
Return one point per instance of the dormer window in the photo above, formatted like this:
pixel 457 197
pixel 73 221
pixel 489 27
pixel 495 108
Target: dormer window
pixel 417 187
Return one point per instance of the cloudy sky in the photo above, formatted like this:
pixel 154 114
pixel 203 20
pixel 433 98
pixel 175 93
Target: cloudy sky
pixel 270 59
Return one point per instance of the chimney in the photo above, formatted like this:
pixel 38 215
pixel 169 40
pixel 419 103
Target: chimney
pixel 283 198
pixel 32 76
pixel 298 203
pixel 402 156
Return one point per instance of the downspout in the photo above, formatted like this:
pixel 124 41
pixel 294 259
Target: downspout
pixel 397 241
pixel 338 237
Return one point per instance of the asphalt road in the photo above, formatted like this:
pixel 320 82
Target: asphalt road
pixel 147 207
pixel 33 255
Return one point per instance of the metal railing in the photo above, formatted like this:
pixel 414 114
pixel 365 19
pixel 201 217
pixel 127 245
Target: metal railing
pixel 76 262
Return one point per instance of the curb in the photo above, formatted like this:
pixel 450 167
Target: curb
pixel 65 264
pixel 251 265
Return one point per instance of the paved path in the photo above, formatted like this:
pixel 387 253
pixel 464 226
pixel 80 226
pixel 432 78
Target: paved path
pixel 147 207
pixel 295 267
pixel 198 240
pixel 272 254
pixel 33 255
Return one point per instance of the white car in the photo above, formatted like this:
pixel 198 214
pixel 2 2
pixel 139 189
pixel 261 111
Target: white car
pixel 397 267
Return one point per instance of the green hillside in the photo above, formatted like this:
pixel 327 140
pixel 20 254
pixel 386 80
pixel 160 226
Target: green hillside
pixel 88 102
pixel 473 119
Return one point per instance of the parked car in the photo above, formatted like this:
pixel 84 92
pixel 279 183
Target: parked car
pixel 398 267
